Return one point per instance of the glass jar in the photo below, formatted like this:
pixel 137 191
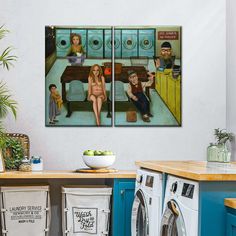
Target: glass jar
pixel 25 165
pixel 224 155
pixel 212 152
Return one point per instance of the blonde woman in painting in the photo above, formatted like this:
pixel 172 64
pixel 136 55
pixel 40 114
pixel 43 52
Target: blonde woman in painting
pixel 96 90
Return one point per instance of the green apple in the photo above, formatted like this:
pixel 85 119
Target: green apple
pixel 97 153
pixel 89 153
pixel 107 153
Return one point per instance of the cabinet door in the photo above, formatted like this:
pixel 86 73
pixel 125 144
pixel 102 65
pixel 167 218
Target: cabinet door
pixel 231 225
pixel 122 206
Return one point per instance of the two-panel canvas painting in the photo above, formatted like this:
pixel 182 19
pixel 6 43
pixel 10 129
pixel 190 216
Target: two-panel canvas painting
pixel 113 76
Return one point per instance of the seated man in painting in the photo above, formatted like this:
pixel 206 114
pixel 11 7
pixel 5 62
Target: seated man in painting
pixel 136 93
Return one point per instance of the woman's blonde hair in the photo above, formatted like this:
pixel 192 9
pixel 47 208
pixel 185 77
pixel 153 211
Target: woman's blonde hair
pixel 91 74
pixel 75 35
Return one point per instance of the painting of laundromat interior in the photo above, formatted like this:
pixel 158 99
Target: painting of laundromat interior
pixel 113 76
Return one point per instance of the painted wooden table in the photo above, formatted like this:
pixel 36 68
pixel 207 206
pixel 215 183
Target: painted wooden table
pixel 216 182
pixel 82 73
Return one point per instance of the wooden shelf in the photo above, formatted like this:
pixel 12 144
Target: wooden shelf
pixel 66 175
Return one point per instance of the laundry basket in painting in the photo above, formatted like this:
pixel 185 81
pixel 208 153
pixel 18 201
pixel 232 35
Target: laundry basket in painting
pixel 85 210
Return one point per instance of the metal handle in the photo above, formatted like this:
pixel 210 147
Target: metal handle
pixel 122 192
pixel 174 209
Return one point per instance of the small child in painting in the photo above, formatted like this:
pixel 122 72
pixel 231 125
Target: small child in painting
pixel 55 104
pixel 136 92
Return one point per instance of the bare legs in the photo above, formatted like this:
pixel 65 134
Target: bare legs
pixel 97 106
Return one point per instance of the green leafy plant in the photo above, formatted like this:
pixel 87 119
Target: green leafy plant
pixel 7 104
pixel 13 153
pixel 222 136
pixel 6 58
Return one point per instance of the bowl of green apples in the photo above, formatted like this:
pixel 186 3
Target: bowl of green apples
pixel 97 159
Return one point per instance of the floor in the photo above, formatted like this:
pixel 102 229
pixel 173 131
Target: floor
pixel 161 114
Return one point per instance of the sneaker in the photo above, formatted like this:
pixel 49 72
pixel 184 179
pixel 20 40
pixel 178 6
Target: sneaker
pixel 150 115
pixel 52 123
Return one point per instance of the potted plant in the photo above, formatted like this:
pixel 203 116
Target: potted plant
pixel 219 151
pixel 7 105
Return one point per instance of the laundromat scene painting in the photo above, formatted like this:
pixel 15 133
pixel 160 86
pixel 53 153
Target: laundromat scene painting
pixel 133 80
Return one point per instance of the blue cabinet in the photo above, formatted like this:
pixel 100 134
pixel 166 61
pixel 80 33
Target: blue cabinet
pixel 123 196
pixel 231 222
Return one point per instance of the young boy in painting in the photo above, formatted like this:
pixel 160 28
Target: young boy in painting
pixel 55 104
pixel 136 93
pixel 166 59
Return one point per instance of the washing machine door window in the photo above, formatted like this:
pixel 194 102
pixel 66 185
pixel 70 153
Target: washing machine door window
pixel 63 42
pixel 95 42
pixel 129 43
pixel 172 223
pixel 146 44
pixel 140 220
pixel 116 43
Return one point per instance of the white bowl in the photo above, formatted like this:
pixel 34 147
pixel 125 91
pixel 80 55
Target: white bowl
pixel 99 162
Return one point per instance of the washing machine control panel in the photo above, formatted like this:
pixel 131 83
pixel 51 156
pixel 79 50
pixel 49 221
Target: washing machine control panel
pixel 139 179
pixel 188 190
pixel 149 181
pixel 174 187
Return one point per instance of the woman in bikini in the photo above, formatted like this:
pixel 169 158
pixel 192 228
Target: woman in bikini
pixel 96 90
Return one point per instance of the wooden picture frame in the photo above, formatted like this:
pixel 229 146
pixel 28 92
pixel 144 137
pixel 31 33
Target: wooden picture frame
pixel 2 164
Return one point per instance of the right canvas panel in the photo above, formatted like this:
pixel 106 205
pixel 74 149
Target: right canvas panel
pixel 147 77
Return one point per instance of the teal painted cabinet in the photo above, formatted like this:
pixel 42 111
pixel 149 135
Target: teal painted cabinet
pixel 123 196
pixel 231 222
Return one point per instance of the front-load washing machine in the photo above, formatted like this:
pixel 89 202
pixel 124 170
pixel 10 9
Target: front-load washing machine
pixel 117 43
pixel 62 42
pixel 95 43
pixel 146 42
pixel 129 43
pixel 180 214
pixel 108 43
pixel 147 205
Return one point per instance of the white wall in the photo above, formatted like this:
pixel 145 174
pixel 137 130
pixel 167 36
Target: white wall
pixel 231 70
pixel 203 89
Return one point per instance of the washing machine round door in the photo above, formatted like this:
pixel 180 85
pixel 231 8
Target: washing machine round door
pixel 129 43
pixel 172 223
pixel 63 42
pixel 140 219
pixel 116 43
pixel 146 43
pixel 95 42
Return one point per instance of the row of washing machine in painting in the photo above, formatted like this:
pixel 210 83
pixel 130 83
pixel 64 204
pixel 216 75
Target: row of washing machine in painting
pixel 98 42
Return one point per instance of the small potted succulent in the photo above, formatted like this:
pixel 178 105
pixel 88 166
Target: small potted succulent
pixel 219 151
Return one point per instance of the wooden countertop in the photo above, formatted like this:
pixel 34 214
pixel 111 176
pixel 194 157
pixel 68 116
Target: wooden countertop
pixel 195 170
pixel 66 175
pixel 230 202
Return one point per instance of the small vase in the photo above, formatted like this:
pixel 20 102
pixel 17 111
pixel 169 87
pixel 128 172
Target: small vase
pixel 212 153
pixel 224 155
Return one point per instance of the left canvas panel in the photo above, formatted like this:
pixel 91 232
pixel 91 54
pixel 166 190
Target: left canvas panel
pixel 78 76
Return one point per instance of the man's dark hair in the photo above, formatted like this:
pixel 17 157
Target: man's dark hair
pixel 166 45
pixel 51 86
